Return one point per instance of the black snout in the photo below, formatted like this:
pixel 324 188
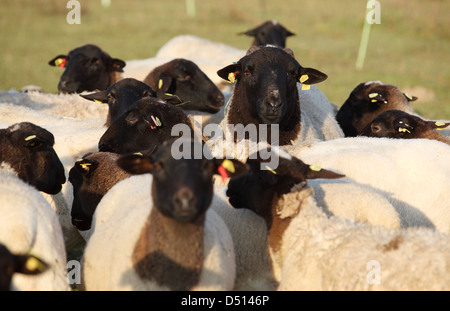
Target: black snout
pixel 184 203
pixel 67 85
pixel 273 101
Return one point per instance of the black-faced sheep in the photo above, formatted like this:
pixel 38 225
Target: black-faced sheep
pixel 269 32
pixel 87 68
pixel 91 177
pixel 184 79
pixel 366 101
pixel 168 237
pixel 13 263
pixel 399 124
pixel 28 150
pixel 121 96
pixel 266 93
pixel 313 251
pixel 145 126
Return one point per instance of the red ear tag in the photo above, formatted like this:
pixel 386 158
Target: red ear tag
pixel 223 173
pixel 63 63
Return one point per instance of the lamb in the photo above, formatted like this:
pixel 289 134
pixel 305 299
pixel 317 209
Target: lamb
pixel 413 174
pixel 28 165
pixel 313 251
pixel 120 97
pixel 167 239
pixel 184 79
pixel 87 68
pixel 266 94
pixel 399 124
pixel 146 126
pixel 13 263
pixel 269 32
pixel 366 101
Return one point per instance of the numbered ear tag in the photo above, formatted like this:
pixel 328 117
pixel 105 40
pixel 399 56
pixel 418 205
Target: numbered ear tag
pixel 305 87
pixel 315 168
pixel 439 123
pixel 372 95
pixel 304 78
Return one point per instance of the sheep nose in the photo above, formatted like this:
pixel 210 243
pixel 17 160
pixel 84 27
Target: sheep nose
pixel 274 100
pixel 66 85
pixel 184 201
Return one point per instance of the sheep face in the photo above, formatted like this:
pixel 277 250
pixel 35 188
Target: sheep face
pixel 266 86
pixel 11 263
pixel 259 190
pixel 182 189
pixel 87 68
pixel 121 96
pixel 270 32
pixel 91 177
pixel 185 80
pixel 368 100
pixel 399 124
pixel 28 149
pixel 145 126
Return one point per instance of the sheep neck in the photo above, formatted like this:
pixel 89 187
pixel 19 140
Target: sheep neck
pixel 170 252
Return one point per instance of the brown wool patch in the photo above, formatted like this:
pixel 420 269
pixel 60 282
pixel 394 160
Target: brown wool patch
pixel 393 244
pixel 169 253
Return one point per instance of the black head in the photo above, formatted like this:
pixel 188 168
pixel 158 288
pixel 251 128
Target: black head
pixel 121 96
pixel 87 68
pixel 266 85
pixel 260 188
pixel 145 126
pixel 182 188
pixel 185 80
pixel 399 124
pixel 91 177
pixel 12 263
pixel 269 32
pixel 28 149
pixel 366 101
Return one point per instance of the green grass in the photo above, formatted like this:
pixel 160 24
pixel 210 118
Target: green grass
pixel 409 49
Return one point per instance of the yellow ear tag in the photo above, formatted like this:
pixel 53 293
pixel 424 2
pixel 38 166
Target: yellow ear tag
pixel 315 168
pixel 30 137
pixel 305 87
pixel 409 97
pixel 160 83
pixel 228 165
pixel 85 165
pixel 231 77
pixel 32 264
pixel 404 130
pixel 303 78
pixel 97 101
pixel 372 95
pixel 439 123
pixel 138 154
pixel 271 170
pixel 373 100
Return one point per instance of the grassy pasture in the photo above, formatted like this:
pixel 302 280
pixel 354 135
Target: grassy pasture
pixel 410 48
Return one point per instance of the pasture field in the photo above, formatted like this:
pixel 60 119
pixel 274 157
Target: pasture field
pixel 410 48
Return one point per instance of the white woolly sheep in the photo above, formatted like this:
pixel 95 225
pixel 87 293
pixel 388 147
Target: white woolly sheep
pixel 168 239
pixel 313 251
pixel 413 174
pixel 28 165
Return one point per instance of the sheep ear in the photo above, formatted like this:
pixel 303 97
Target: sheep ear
pixel 410 98
pixel 117 64
pixel 315 172
pixel 138 164
pixel 230 72
pixel 311 76
pixel 438 125
pixel 98 97
pixel 29 264
pixel 164 83
pixel 86 167
pixel 59 61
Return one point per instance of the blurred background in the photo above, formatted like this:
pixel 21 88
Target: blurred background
pixel 410 48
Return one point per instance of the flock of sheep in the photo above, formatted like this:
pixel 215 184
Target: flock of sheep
pixel 358 198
